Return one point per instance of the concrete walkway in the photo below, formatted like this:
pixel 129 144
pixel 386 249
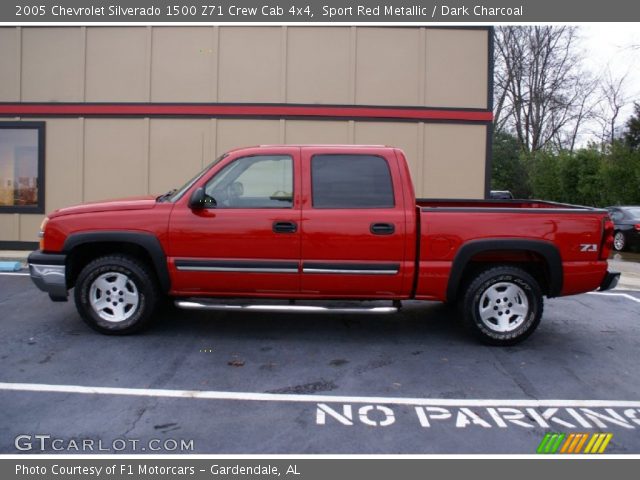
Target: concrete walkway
pixel 630 278
pixel 16 255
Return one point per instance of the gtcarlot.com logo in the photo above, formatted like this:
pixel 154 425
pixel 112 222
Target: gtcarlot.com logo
pixel 45 443
pixel 574 443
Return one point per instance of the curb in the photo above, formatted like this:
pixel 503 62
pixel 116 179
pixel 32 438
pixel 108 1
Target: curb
pixel 10 266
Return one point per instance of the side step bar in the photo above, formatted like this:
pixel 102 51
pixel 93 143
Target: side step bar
pixel 193 304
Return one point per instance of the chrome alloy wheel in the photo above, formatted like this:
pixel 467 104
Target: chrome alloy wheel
pixel 503 307
pixel 114 297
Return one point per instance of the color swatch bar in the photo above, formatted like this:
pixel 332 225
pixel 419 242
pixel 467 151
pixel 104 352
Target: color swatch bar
pixel 574 443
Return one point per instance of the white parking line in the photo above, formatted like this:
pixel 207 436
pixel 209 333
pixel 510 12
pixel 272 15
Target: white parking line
pixel 283 397
pixel 16 274
pixel 609 294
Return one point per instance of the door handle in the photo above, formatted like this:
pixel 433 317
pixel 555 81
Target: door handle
pixel 382 228
pixel 285 227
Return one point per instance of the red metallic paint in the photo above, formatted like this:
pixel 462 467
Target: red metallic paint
pixel 341 235
pixel 123 216
pixel 566 231
pixel 240 110
pixel 235 234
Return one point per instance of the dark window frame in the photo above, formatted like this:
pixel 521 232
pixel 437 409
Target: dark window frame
pixel 386 162
pixel 39 207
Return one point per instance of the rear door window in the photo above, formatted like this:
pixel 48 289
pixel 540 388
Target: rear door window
pixel 351 181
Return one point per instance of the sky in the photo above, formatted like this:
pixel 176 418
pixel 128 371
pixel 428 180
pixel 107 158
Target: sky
pixel 616 45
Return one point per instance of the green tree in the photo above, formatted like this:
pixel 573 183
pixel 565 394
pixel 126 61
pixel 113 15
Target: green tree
pixel 590 186
pixel 545 177
pixel 509 169
pixel 589 176
pixel 632 131
pixel 569 177
pixel 621 176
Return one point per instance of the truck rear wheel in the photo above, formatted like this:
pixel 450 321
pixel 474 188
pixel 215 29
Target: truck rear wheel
pixel 502 305
pixel 116 295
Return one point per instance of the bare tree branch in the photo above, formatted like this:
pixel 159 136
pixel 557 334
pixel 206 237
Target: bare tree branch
pixel 612 100
pixel 543 94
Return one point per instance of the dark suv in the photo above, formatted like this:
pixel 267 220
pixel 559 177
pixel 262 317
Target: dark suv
pixel 500 195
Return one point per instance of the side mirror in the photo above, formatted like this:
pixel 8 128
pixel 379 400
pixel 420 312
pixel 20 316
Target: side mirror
pixel 196 201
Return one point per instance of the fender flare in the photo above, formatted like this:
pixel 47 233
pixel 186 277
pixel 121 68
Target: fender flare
pixel 147 241
pixel 545 249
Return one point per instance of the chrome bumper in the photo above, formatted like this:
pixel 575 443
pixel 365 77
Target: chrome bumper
pixel 609 281
pixel 48 272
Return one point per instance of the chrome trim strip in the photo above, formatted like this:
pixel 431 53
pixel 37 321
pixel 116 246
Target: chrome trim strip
pixel 348 271
pixel 577 210
pixel 49 278
pixel 236 269
pixel 46 270
pixel 195 305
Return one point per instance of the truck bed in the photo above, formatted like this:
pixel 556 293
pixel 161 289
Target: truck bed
pixel 493 205
pixel 572 233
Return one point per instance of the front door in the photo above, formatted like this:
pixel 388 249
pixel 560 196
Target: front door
pixel 247 242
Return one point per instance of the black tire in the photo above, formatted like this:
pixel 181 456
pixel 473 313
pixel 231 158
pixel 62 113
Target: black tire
pixel 516 327
pixel 619 241
pixel 141 284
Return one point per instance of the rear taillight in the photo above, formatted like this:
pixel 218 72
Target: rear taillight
pixel 607 239
pixel 637 226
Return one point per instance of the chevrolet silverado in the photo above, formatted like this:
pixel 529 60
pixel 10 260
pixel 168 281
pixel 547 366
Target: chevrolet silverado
pixel 304 223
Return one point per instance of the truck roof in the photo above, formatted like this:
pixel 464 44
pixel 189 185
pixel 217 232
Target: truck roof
pixel 306 145
pixel 339 145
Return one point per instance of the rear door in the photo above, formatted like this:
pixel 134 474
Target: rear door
pixel 353 223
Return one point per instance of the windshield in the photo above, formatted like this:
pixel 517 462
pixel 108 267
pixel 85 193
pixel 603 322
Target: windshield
pixel 177 194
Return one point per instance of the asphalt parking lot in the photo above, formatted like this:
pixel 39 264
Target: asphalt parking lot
pixel 411 382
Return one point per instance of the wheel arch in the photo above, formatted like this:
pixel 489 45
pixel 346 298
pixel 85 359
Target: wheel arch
pixel 84 246
pixel 546 251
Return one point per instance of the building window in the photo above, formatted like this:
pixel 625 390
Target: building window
pixel 21 167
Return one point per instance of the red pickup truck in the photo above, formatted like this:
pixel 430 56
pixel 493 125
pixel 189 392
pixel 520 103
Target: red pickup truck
pixel 299 223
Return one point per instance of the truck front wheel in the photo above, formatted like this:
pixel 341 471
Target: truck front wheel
pixel 502 305
pixel 116 294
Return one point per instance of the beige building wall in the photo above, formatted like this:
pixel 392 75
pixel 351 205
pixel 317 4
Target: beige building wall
pixel 117 66
pixel 90 159
pixel 319 65
pixel 183 64
pixel 10 69
pixel 52 65
pixel 456 69
pixel 432 67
